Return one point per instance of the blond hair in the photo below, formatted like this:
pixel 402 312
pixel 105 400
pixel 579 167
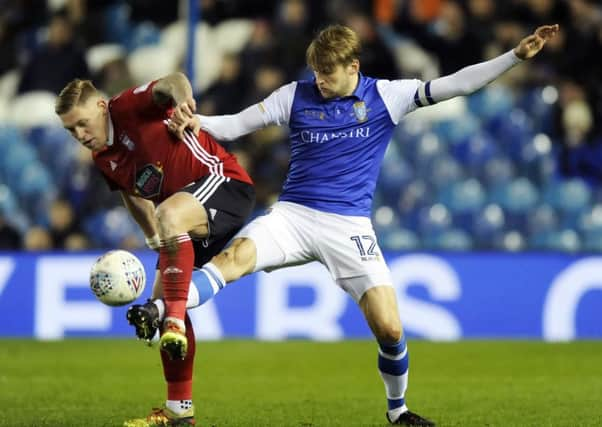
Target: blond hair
pixel 75 93
pixel 334 45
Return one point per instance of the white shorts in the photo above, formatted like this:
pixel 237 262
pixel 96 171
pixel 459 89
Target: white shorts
pixel 292 234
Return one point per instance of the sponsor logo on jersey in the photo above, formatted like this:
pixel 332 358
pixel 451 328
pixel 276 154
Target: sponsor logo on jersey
pixel 316 137
pixel 360 111
pixel 113 165
pixel 148 181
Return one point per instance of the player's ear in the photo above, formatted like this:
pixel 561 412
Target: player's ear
pixel 102 104
pixel 354 66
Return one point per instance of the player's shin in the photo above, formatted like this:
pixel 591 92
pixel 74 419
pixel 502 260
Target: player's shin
pixel 208 282
pixel 393 367
pixel 176 259
pixel 205 283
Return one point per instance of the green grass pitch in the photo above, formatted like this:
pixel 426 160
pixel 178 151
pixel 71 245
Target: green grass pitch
pixel 299 383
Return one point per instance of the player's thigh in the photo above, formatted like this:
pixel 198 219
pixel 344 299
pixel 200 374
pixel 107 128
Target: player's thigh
pixel 181 213
pixel 279 238
pixel 349 249
pixel 379 306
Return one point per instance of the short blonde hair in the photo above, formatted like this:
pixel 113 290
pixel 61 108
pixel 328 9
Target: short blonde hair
pixel 75 93
pixel 334 45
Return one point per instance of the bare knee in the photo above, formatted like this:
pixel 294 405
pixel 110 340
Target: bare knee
pixel 166 221
pixel 388 332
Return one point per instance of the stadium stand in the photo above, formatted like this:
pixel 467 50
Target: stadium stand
pixel 508 168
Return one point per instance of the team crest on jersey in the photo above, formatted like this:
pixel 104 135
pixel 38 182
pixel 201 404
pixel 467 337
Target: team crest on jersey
pixel 360 111
pixel 149 180
pixel 125 140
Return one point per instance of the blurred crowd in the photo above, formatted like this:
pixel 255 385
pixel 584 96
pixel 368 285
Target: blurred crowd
pixel 52 198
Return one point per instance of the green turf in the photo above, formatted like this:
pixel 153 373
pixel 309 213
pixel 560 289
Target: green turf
pixel 245 383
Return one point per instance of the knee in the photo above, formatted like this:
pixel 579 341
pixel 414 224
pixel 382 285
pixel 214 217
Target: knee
pixel 166 221
pixel 388 332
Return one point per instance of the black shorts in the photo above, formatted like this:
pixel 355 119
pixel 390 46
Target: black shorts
pixel 228 203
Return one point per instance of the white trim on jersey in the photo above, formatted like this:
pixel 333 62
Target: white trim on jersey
pixel 215 165
pixel 213 162
pixel 205 191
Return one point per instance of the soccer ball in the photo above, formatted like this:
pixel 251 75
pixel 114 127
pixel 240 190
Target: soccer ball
pixel 117 278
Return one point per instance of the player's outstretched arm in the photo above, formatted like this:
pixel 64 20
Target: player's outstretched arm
pixel 474 77
pixel 273 110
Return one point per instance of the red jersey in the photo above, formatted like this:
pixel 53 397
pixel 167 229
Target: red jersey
pixel 144 159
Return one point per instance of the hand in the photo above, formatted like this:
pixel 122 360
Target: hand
pixel 531 45
pixel 183 118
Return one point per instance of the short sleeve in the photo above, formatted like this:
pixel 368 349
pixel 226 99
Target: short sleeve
pixel 398 96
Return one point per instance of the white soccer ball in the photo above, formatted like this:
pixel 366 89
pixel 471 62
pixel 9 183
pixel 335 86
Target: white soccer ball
pixel 117 278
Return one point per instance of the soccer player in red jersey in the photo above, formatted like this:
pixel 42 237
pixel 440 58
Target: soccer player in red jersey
pixel 188 194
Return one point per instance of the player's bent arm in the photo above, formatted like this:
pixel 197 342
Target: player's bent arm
pixel 274 110
pixel 143 212
pixel 174 88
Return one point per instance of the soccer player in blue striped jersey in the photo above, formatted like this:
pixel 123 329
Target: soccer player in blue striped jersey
pixel 340 125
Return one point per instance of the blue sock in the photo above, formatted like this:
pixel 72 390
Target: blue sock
pixel 208 281
pixel 393 368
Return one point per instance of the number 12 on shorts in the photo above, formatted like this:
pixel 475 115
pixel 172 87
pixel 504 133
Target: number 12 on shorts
pixel 365 245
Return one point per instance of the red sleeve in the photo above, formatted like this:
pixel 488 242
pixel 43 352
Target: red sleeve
pixel 139 99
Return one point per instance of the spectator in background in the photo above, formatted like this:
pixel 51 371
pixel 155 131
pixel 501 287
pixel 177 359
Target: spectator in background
pixel 449 38
pixel 76 242
pixel 37 239
pixel 292 32
pixel 259 51
pixel 10 238
pixel 87 191
pixel 377 59
pixel 481 18
pixel 225 94
pixel 8 59
pixel 55 62
pixel 115 77
pixel 63 223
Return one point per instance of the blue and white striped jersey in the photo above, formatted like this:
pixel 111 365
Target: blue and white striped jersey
pixel 337 145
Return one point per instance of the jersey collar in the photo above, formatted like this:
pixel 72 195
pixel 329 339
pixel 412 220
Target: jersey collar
pixel 360 89
pixel 111 131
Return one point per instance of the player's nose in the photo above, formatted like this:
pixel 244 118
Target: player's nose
pixel 80 134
